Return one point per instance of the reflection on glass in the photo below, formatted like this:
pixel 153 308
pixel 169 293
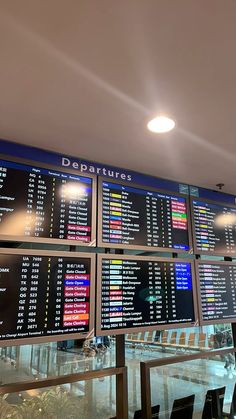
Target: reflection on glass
pixel 19 224
pixel 82 399
pixel 196 377
pixel 72 190
pixel 224 220
pixel 163 343
pixel 35 362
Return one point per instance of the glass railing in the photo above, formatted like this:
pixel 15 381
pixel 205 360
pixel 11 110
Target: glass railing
pixel 78 400
pixel 83 395
pixel 23 363
pixel 176 342
pixel 170 379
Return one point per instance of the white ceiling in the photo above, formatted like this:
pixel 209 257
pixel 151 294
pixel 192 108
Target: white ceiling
pixel 82 77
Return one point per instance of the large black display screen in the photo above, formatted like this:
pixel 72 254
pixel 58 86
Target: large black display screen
pixel 214 228
pixel 140 218
pixel 217 290
pixel 138 292
pixel 45 296
pixel 43 204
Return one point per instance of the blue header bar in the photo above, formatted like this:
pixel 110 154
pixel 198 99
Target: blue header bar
pixel 49 172
pixel 84 166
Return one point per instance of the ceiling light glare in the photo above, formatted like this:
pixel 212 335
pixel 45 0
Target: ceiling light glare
pixel 225 220
pixel 161 124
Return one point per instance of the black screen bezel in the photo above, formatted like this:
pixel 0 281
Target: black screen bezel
pixel 45 240
pixel 60 337
pixel 100 332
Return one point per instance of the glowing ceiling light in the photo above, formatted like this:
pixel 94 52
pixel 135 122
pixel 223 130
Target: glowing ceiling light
pixel 161 124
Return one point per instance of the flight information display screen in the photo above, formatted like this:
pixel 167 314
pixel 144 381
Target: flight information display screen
pixel 45 296
pixel 214 228
pixel 141 292
pixel 217 288
pixel 140 218
pixel 39 204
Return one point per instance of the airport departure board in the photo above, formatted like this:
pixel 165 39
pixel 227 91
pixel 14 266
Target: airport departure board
pixel 143 293
pixel 45 296
pixel 217 290
pixel 139 218
pixel 214 228
pixel 39 204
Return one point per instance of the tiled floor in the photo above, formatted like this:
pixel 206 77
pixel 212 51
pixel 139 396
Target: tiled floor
pixel 167 383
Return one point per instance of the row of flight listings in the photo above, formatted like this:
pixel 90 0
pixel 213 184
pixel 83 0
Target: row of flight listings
pixel 40 204
pixel 50 206
pixel 46 295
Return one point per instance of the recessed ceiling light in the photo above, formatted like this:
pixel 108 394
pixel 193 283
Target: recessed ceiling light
pixel 161 124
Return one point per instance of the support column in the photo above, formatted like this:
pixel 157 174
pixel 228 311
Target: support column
pixel 121 380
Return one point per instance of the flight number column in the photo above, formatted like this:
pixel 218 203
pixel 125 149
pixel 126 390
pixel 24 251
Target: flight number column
pixel 42 194
pixel 33 315
pixel 30 218
pixel 36 200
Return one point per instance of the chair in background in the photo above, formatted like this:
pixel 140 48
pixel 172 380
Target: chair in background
pixel 202 341
pixel 140 343
pixel 164 337
pixel 182 339
pixel 162 342
pixel 183 408
pixel 149 338
pixel 181 344
pixel 155 412
pixel 148 341
pixel 213 406
pixel 211 341
pixel 173 339
pixel 232 413
pixel 191 342
pixel 132 339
